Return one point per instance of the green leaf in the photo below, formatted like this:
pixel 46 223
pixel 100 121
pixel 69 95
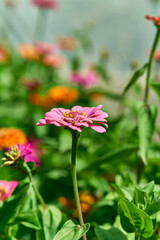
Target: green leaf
pixel 146 122
pixel 134 219
pixel 153 208
pixel 117 154
pixel 109 234
pixel 156 87
pixel 71 231
pixel 139 196
pixel 137 74
pixel 28 219
pixel 50 219
pixel 9 207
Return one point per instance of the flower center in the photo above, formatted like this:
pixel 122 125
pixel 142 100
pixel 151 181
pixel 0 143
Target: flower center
pixel 2 192
pixel 73 116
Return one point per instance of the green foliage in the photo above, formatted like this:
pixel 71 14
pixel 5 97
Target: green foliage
pixel 135 220
pixel 146 121
pixel 137 74
pixel 156 88
pixel 50 219
pixel 109 234
pixel 71 231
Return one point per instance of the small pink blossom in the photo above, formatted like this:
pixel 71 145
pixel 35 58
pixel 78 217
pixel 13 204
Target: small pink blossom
pixel 156 20
pixel 44 48
pixel 157 55
pixel 29 153
pixel 50 4
pixel 86 80
pixel 76 118
pixel 6 189
pixel 55 61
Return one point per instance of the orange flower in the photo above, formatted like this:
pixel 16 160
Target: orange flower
pixel 68 43
pixel 4 56
pixel 63 94
pixel 86 201
pixel 28 51
pixel 55 61
pixel 10 137
pixel 63 201
pixel 41 100
pixel 97 97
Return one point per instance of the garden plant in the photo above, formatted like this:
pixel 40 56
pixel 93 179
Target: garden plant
pixel 69 168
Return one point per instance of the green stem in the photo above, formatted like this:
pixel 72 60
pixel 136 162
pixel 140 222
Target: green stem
pixel 75 136
pixel 34 188
pixel 137 236
pixel 151 58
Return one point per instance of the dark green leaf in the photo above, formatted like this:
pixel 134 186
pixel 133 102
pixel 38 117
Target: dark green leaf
pixel 134 219
pixel 71 231
pixel 135 77
pixel 156 87
pixel 109 234
pixel 153 208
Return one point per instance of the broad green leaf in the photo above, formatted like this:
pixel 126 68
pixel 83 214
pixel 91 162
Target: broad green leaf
pixel 137 74
pixel 153 208
pixel 28 219
pixel 146 122
pixel 109 234
pixel 124 192
pixel 139 196
pixel 148 225
pixel 156 87
pixel 134 219
pixel 9 207
pixel 50 219
pixel 71 231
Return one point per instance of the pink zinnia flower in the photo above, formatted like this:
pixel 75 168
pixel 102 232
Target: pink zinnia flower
pixel 6 189
pixel 29 153
pixel 76 118
pixel 26 151
pixel 43 48
pixel 50 4
pixel 156 20
pixel 86 80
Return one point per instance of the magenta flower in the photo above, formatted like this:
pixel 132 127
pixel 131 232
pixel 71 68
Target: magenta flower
pixel 88 80
pixel 76 118
pixel 156 20
pixel 50 4
pixel 44 48
pixel 29 153
pixel 26 151
pixel 6 189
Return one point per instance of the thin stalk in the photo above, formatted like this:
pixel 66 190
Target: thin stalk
pixel 151 58
pixel 34 188
pixel 137 236
pixel 75 136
